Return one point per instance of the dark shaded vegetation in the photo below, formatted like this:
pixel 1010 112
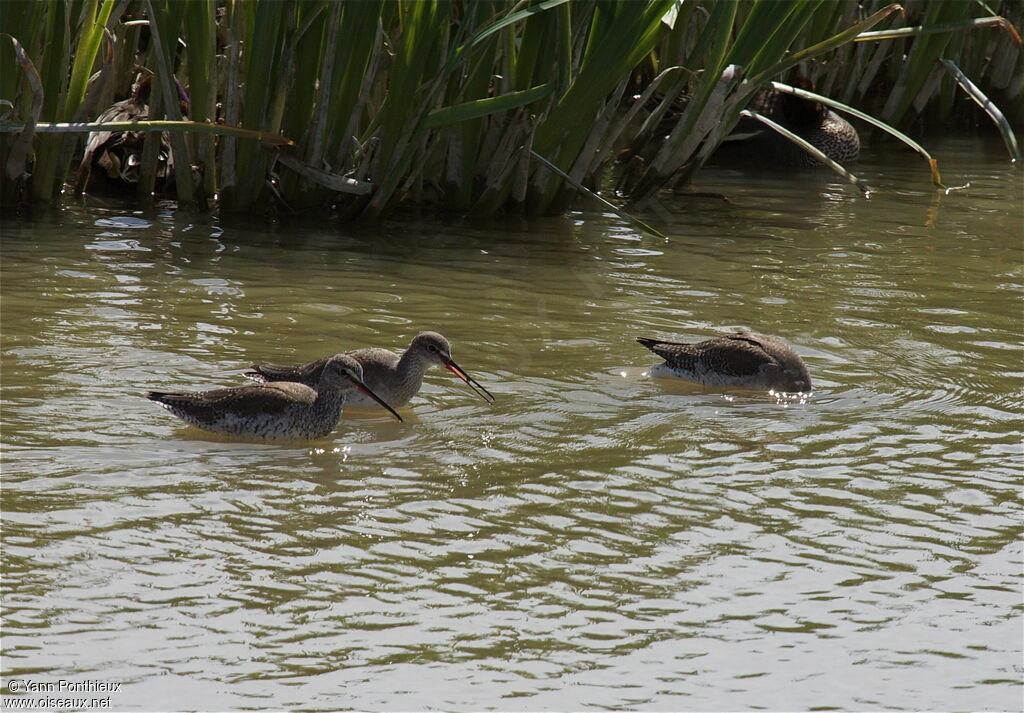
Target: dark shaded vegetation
pixel 360 107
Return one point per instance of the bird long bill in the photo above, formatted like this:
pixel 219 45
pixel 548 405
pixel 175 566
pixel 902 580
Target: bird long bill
pixel 366 390
pixel 473 383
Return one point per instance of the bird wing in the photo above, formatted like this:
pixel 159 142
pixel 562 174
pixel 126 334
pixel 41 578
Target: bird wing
pixel 268 398
pixel 736 354
pixel 126 110
pixel 243 400
pixel 308 374
pixel 677 354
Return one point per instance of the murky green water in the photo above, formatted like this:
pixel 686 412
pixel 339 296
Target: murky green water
pixel 595 538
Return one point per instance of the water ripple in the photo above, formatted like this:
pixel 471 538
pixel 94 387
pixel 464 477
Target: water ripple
pixel 595 538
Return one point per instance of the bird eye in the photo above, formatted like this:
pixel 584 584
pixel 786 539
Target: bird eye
pixel 432 348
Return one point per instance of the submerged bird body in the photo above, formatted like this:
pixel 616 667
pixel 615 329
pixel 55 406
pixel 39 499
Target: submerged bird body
pixel 395 378
pixel 743 359
pixel 280 411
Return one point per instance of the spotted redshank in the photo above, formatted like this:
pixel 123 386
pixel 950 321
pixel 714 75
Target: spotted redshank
pixel 396 379
pixel 743 359
pixel 280 411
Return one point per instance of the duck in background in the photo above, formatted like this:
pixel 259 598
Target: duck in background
pixel 753 143
pixel 111 159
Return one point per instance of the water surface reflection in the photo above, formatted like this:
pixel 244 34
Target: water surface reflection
pixel 593 539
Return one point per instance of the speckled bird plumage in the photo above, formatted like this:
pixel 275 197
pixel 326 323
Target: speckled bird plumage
pixel 815 123
pixel 743 359
pixel 282 410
